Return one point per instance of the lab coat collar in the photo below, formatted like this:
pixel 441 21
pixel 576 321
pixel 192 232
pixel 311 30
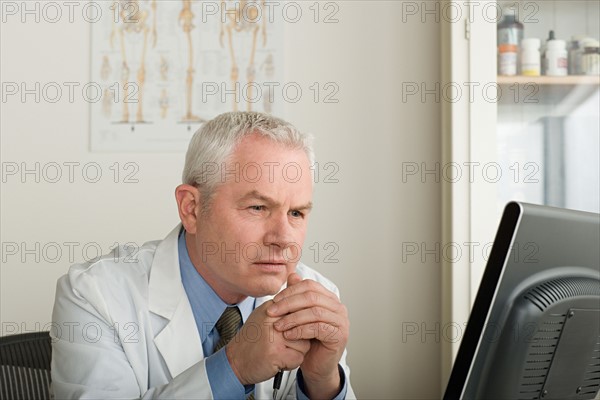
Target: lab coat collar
pixel 165 287
pixel 179 341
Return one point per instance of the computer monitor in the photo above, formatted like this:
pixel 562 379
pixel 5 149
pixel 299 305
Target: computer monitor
pixel 534 329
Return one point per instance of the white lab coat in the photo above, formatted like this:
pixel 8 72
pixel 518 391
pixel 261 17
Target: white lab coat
pixel 123 328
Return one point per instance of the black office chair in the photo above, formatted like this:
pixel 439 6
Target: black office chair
pixel 25 366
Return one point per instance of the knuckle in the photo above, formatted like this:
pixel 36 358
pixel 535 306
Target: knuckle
pixel 318 312
pixel 298 359
pixel 311 284
pixel 312 297
pixel 342 309
pixel 322 327
pixel 285 302
pixel 286 324
pixel 298 331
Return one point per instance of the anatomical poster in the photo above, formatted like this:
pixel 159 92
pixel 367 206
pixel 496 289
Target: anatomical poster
pixel 159 69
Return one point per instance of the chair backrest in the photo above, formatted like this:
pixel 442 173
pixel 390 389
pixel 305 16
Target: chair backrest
pixel 25 366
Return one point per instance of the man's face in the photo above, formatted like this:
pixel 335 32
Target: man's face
pixel 250 239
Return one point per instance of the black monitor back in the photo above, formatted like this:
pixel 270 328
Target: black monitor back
pixel 534 330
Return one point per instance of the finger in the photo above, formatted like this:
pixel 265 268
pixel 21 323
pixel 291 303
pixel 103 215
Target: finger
pixel 293 278
pixel 289 359
pixel 325 333
pixel 292 354
pixel 304 300
pixel 301 346
pixel 308 316
pixel 303 286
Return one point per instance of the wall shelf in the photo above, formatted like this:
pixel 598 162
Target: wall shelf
pixel 550 80
pixel 539 95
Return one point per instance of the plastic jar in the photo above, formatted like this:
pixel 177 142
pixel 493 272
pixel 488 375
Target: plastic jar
pixel 575 53
pixel 590 61
pixel 507 59
pixel 530 57
pixel 556 58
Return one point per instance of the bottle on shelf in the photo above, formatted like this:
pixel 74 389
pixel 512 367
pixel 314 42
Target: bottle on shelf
pixel 530 57
pixel 575 51
pixel 507 59
pixel 510 33
pixel 555 59
pixel 543 51
pixel 510 30
pixel 590 61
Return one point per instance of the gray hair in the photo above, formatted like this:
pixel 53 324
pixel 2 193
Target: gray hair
pixel 217 139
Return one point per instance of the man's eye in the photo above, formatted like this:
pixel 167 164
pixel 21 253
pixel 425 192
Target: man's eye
pixel 257 208
pixel 296 214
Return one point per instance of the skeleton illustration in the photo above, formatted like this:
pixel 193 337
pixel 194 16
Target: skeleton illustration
pixel 108 96
pixel 105 70
pixel 107 100
pixel 245 19
pixel 164 68
pixel 132 22
pixel 186 18
pixel 269 70
pixel 164 103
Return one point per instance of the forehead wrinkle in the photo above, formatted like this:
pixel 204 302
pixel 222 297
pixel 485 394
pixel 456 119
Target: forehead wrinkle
pixel 255 194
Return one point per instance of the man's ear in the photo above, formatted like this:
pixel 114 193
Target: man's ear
pixel 188 205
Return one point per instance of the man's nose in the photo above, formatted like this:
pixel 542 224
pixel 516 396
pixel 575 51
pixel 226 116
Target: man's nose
pixel 279 231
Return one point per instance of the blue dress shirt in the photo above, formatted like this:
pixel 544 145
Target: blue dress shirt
pixel 207 308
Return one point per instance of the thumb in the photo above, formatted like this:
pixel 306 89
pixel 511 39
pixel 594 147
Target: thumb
pixel 293 278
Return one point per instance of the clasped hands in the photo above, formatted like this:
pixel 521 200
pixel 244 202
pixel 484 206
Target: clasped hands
pixel 306 326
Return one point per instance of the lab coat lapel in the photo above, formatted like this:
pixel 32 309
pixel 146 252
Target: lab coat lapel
pixel 179 341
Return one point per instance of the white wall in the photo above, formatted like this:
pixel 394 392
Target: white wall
pixel 369 214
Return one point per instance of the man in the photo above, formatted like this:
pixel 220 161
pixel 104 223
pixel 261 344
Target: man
pixel 160 327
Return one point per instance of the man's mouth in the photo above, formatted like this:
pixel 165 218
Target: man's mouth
pixel 270 262
pixel 270 266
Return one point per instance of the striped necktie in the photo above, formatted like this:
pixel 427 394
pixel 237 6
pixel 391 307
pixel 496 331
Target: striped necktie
pixel 227 326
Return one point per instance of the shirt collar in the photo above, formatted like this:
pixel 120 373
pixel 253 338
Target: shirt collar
pixel 207 306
